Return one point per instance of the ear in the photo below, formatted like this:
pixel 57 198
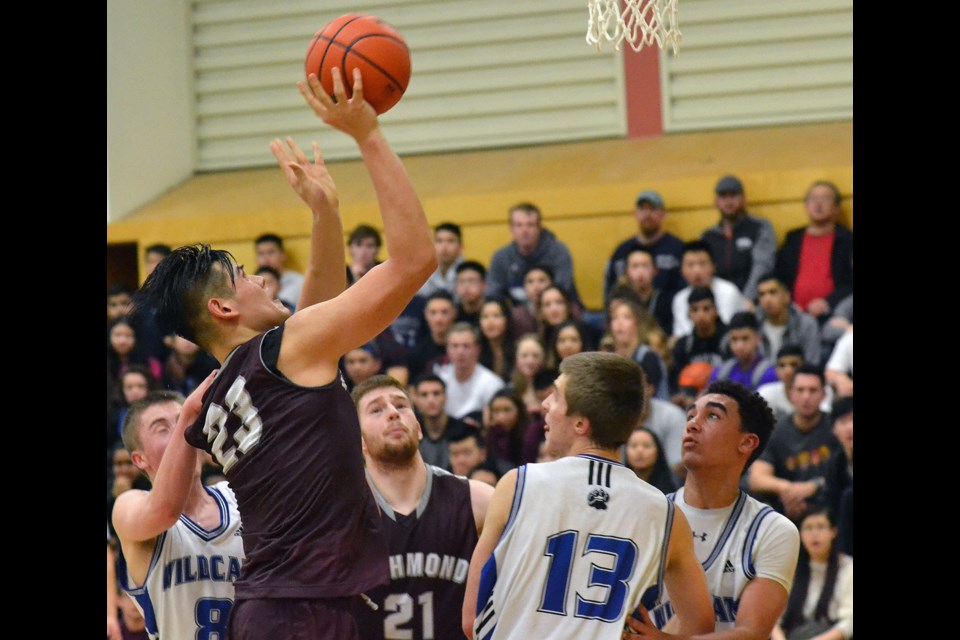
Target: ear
pixel 139 461
pixel 748 443
pixel 419 432
pixel 221 308
pixel 582 427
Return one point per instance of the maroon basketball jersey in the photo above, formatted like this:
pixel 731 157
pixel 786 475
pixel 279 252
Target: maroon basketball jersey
pixel 430 552
pixel 292 456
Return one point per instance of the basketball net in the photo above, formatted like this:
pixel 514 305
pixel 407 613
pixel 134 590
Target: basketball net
pixel 641 23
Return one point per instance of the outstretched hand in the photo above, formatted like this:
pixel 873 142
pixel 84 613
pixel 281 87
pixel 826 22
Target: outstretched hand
pixel 354 116
pixel 311 181
pixel 194 402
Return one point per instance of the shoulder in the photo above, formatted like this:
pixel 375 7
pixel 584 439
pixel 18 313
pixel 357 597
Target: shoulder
pixel 667 409
pixel 794 235
pixel 670 241
pixel 224 487
pixel 503 254
pixel 719 286
pixel 760 222
pixel 625 247
pixel 711 232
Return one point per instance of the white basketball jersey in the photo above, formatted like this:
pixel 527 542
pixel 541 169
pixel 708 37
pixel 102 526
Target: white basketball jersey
pixel 584 539
pixel 188 591
pixel 735 545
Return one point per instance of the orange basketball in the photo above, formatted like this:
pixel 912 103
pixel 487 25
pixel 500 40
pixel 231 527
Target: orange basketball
pixel 368 43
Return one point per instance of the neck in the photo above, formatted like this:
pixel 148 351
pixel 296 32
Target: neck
pixel 644 474
pixel 526 251
pixel 435 425
pixel 644 291
pixel 822 556
pixel 745 364
pixel 645 238
pixel 806 423
pixel 704 332
pixel 590 448
pixel 471 307
pixel 401 485
pixel 444 268
pixel 821 228
pixel 712 488
pixel 732 220
pixel 198 501
pixel 223 348
pixel 626 349
pixel 780 319
pixel 463 373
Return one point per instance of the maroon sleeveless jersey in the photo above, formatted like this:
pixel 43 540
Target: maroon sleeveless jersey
pixel 292 456
pixel 430 552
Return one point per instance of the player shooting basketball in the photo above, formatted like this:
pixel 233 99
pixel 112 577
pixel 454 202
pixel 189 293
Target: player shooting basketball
pixel 278 417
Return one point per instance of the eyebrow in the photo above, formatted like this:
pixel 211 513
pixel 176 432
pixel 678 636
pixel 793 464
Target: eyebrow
pixel 717 405
pixel 158 422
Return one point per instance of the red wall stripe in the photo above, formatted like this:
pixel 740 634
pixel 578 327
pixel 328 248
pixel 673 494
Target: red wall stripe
pixel 642 87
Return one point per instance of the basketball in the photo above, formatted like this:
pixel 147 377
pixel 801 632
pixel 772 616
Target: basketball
pixel 369 44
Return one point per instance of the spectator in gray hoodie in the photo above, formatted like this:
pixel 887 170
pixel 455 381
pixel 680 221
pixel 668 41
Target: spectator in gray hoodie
pixel 532 246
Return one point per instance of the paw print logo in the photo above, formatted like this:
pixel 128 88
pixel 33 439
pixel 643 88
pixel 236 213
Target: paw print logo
pixel 598 498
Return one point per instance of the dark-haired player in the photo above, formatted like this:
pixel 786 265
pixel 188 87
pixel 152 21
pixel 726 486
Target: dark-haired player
pixel 748 551
pixel 277 417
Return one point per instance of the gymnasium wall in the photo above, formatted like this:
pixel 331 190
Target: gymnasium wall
pixel 150 130
pixel 203 86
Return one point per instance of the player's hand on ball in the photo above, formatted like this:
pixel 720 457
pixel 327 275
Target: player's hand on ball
pixel 354 115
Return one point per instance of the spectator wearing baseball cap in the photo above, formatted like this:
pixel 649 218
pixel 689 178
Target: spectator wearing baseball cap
pixel 744 247
pixel 650 213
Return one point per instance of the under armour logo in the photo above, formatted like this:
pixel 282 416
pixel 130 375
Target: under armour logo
pixel 598 498
pixel 702 536
pixel 728 568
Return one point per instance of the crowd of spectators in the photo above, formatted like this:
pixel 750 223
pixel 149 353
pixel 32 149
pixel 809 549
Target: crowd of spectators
pixel 480 344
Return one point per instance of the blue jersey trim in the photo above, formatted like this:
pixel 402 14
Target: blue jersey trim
pixel 211 534
pixel 746 560
pixel 517 500
pixel 140 593
pixel 728 529
pixel 590 456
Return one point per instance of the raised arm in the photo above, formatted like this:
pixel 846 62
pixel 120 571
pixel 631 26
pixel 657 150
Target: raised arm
pixel 318 335
pixel 497 514
pixel 325 276
pixel 139 516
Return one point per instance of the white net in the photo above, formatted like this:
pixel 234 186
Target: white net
pixel 641 23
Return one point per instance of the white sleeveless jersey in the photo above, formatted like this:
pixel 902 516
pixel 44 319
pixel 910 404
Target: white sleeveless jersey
pixel 188 591
pixel 584 539
pixel 735 545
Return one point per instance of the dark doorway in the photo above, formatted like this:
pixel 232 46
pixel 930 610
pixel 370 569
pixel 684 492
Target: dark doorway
pixel 122 267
